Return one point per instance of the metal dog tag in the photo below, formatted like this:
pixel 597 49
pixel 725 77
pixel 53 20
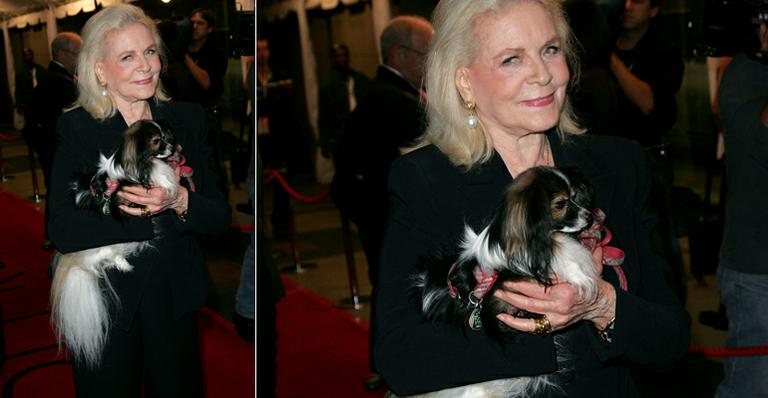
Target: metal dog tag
pixel 474 321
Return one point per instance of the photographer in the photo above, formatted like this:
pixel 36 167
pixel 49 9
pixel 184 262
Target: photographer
pixel 207 64
pixel 742 274
pixel 648 70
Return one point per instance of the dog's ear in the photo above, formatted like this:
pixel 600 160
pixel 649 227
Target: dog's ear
pixel 144 172
pixel 528 244
pixel 519 211
pixel 130 148
pixel 538 241
pixel 540 256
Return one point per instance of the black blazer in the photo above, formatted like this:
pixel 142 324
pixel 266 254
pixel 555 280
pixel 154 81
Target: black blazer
pixel 57 90
pixel 431 200
pixel 176 256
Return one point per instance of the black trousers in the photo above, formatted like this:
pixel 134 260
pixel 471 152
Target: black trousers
pixel 158 355
pixel 370 229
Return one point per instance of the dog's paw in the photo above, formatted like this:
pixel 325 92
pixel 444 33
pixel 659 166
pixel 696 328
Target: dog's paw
pixel 123 265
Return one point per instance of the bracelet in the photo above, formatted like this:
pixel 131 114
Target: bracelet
pixel 606 333
pixel 182 216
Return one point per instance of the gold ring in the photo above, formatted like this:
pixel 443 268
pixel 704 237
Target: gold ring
pixel 145 212
pixel 542 325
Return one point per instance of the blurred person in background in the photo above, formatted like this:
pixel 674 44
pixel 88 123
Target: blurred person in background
pixel 389 118
pixel 56 92
pixel 339 96
pixel 207 63
pixel 648 68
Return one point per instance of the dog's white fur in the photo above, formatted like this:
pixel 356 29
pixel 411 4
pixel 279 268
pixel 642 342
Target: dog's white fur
pixel 79 306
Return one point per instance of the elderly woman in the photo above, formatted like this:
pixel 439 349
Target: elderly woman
pixel 497 75
pixel 152 341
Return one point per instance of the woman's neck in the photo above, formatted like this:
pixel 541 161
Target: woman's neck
pixel 521 153
pixel 135 111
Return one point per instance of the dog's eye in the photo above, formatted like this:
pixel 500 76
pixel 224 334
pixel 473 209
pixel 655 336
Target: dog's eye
pixel 560 204
pixel 156 141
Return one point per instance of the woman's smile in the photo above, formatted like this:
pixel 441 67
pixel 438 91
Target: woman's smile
pixel 541 101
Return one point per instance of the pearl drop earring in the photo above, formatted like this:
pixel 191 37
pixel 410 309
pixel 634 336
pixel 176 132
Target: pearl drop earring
pixel 472 117
pixel 103 87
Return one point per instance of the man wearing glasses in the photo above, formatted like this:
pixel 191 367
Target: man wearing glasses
pixel 387 119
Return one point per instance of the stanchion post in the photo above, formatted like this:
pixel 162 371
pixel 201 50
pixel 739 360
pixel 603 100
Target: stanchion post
pixel 355 300
pixel 298 267
pixel 2 165
pixel 35 187
pixel 3 176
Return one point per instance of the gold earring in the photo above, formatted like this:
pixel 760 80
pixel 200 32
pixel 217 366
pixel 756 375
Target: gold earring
pixel 472 117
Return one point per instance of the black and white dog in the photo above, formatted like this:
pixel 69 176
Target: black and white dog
pixel 79 306
pixel 532 235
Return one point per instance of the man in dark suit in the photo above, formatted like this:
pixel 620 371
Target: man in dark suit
pixel 27 79
pixel 389 118
pixel 57 90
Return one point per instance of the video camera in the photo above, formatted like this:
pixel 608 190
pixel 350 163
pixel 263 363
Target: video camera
pixel 730 26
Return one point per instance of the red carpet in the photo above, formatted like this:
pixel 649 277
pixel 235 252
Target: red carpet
pixel 33 366
pixel 322 350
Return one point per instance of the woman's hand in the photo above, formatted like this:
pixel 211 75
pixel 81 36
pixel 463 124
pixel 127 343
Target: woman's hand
pixel 560 303
pixel 153 200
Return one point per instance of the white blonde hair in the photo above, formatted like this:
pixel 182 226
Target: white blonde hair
pixel 94 50
pixel 452 47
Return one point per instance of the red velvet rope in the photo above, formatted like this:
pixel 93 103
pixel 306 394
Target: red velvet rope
pixel 9 138
pixel 271 173
pixel 730 352
pixel 243 227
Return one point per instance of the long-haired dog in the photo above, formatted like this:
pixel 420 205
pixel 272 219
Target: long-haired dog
pixel 532 235
pixel 80 291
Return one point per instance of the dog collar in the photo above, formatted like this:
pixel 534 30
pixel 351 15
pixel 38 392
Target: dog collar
pixel 112 186
pixel 485 281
